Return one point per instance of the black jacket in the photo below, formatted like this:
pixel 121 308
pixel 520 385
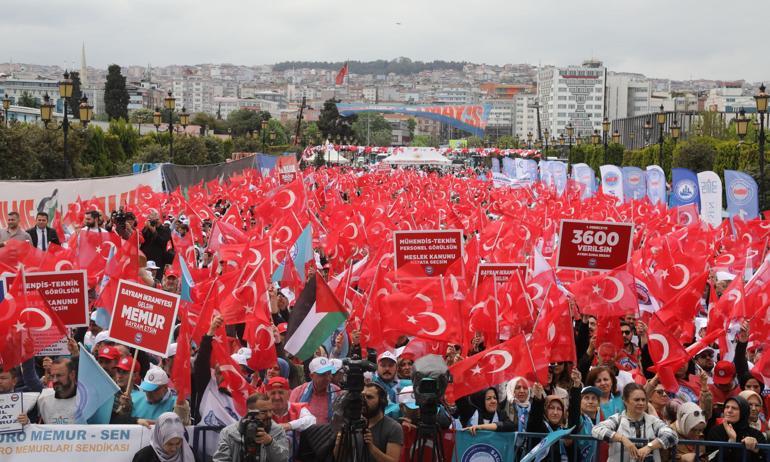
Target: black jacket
pixel 50 233
pixel 742 430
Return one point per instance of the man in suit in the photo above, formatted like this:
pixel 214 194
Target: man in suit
pixel 41 234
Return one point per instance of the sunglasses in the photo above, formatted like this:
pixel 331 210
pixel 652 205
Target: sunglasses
pixel 626 332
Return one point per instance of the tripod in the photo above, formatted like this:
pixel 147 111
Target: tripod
pixel 352 448
pixel 428 432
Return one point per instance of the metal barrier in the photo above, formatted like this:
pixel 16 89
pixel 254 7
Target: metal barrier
pixel 701 447
pixel 199 443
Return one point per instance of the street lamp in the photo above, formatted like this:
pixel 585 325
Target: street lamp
pixel 741 124
pixel 169 104
pixel 596 138
pixel 570 134
pixel 6 106
pixel 529 139
pixel 761 100
pixel 661 119
pixel 616 136
pixel 676 130
pixel 605 137
pixel 647 131
pixel 264 134
pixel 46 115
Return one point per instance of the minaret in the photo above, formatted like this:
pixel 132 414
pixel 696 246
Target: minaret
pixel 83 67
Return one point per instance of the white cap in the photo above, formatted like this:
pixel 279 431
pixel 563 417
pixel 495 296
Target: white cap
pixel 406 397
pixel 151 265
pixel 336 365
pixel 240 359
pixel 171 350
pixel 153 379
pixel 288 294
pixel 245 352
pixel 320 365
pixel 101 336
pixel 386 355
pixel 724 276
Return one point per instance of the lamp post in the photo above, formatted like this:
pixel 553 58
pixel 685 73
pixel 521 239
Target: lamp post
pixel 605 137
pixel 761 100
pixel 46 115
pixel 616 136
pixel 570 134
pixel 6 106
pixel 676 130
pixel 263 130
pixel 546 133
pixel 596 139
pixel 661 119
pixel 529 140
pixel 741 124
pixel 169 104
pixel 647 132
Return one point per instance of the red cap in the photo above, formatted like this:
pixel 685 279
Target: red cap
pixel 125 364
pixel 282 327
pixel 171 273
pixel 109 352
pixel 277 383
pixel 724 372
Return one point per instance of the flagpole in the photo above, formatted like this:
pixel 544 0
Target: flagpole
pixel 497 308
pixel 131 372
pixel 270 250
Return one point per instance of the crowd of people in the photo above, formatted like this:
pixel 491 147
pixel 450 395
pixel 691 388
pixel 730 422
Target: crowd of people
pixel 298 406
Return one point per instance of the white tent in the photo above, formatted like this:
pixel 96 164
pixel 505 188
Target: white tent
pixel 335 157
pixel 417 156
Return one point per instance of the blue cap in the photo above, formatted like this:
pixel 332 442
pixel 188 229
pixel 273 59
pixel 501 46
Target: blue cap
pixel 593 390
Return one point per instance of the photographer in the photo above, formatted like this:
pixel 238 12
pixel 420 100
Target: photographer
pixel 383 436
pixel 156 238
pixel 254 437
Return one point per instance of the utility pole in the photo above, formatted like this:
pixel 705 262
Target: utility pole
pixel 298 131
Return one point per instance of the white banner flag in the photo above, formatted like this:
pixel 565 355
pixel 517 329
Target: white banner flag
pixel 710 198
pixel 612 181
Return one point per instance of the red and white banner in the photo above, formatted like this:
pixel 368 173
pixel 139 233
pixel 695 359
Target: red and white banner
pixel 594 245
pixel 143 317
pixel 30 197
pixel 66 293
pixel 500 271
pixel 287 168
pixel 434 251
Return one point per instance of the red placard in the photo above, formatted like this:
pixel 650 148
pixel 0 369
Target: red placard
pixel 143 317
pixel 433 250
pixel 501 271
pixel 65 291
pixel 594 245
pixel 287 168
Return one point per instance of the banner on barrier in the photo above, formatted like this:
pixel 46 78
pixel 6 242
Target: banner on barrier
pixel 30 197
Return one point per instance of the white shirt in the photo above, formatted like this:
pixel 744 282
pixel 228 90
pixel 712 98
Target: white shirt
pixel 41 237
pixel 56 411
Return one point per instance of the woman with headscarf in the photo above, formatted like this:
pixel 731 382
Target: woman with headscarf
pixel 735 428
pixel 167 442
pixel 690 424
pixel 517 402
pixel 583 415
pixel 487 412
pixel 755 410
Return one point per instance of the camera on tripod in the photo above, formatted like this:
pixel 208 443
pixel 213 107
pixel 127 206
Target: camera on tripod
pixel 248 427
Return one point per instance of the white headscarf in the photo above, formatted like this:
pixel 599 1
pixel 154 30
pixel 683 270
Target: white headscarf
pixel 170 426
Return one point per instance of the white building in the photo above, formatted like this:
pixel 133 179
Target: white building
pixel 226 105
pixel 194 94
pixel 628 95
pixel 525 116
pixel 573 94
pixel 729 97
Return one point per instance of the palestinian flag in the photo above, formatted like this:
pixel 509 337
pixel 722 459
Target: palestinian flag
pixel 313 319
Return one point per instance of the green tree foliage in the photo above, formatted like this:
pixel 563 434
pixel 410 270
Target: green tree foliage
pixel 27 100
pixel 421 141
pixel 77 94
pixel 372 129
pixel 141 116
pixel 115 94
pixel 475 142
pixel 332 125
pixel 311 136
pixel 127 136
pixel 506 142
pixel 697 155
pixel 244 122
pixel 411 124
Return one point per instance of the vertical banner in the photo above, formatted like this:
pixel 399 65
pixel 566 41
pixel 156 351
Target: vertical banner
pixel 509 167
pixel 684 187
pixel 495 165
pixel 742 195
pixel 634 183
pixel 558 175
pixel 710 189
pixel 530 170
pixel 612 181
pixel 586 176
pixel 656 184
pixel 545 172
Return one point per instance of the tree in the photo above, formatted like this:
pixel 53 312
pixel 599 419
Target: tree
pixel 697 154
pixel 311 136
pixel 372 129
pixel 475 142
pixel 141 116
pixel 243 121
pixel 411 125
pixel 332 125
pixel 77 94
pixel 506 142
pixel 115 94
pixel 422 141
pixel 27 100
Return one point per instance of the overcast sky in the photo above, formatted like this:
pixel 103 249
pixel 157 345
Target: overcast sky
pixel 679 39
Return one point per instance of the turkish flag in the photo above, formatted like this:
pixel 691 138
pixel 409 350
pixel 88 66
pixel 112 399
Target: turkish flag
pixel 666 352
pixel 233 217
pixel 181 373
pixel 232 380
pixel 491 367
pixel 224 233
pixel 27 326
pixel 260 338
pixel 735 296
pixel 340 79
pixel 609 339
pixel 553 337
pixel 612 293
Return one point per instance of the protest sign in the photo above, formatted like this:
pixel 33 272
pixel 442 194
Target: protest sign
pixel 83 443
pixel 500 271
pixel 434 251
pixel 287 168
pixel 10 408
pixel 57 348
pixel 143 317
pixel 66 293
pixel 594 245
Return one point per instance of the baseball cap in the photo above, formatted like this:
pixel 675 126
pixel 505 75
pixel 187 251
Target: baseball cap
pixel 386 355
pixel 109 352
pixel 151 265
pixel 153 379
pixel 724 372
pixel 724 276
pixel 320 365
pixel 593 390
pixel 707 350
pixel 286 292
pixel 102 336
pixel 283 327
pixel 125 364
pixel 171 273
pixel 277 383
pixel 171 350
pixel 406 397
pixel 336 365
pixel 240 359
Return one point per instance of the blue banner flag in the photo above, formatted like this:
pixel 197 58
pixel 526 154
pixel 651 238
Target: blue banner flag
pixel 301 252
pixel 634 183
pixel 96 390
pixel 187 281
pixel 509 167
pixel 684 187
pixel 586 176
pixel 742 197
pixel 558 175
pixel 656 184
pixel 496 165
pixel 485 445
pixel 540 451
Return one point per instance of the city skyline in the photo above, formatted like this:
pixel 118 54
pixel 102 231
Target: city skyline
pixel 678 41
